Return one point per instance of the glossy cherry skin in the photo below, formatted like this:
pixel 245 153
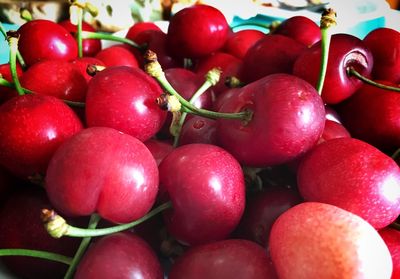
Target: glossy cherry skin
pixel 232 258
pixel 81 64
pixel 124 98
pixel 352 175
pixel 121 255
pixel 43 39
pixel 32 127
pixel 288 119
pixel 199 129
pixel 238 43
pixel 89 46
pixel 139 27
pixel 196 31
pixel 262 209
pixel 206 187
pixel 392 239
pixel 333 130
pixel 384 43
pixel 21 227
pixel 117 55
pixel 317 240
pixel 5 72
pixel 159 149
pixel 345 51
pixel 56 78
pixel 105 171
pixel 272 54
pixel 300 28
pixel 371 115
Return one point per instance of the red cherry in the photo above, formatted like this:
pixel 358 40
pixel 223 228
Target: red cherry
pixel 117 55
pixel 345 51
pixel 271 54
pixel 43 39
pixel 384 44
pixel 352 175
pixel 32 127
pixel 300 28
pixel 5 72
pixel 124 98
pixel 89 46
pixel 392 239
pixel 105 171
pixel 199 129
pixel 122 256
pixel 139 27
pixel 333 130
pixel 81 64
pixel 159 149
pixel 56 78
pixel 196 31
pixel 206 187
pixel 316 240
pixel 238 43
pixel 232 258
pixel 288 119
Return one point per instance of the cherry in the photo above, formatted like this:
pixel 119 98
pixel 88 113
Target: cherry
pixel 384 45
pixel 124 98
pixel 199 129
pixel 89 46
pixel 5 72
pixel 139 27
pixel 238 43
pixel 81 64
pixel 32 128
pixel 392 239
pixel 352 175
pixel 105 171
pixel 333 130
pixel 206 187
pixel 43 39
pixel 196 31
pixel 22 228
pixel 117 55
pixel 159 149
pixel 300 28
pixel 57 78
pixel 318 240
pixel 121 255
pixel 280 52
pixel 372 114
pixel 345 51
pixel 288 119
pixel 232 258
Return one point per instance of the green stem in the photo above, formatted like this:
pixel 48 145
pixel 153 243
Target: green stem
pixel 13 43
pixel 352 72
pixel 36 254
pixel 80 232
pixel 19 56
pixel 325 42
pixel 395 226
pixel 79 32
pixel 396 154
pixel 109 37
pixel 94 220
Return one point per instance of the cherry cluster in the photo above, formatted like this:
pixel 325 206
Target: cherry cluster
pixel 200 152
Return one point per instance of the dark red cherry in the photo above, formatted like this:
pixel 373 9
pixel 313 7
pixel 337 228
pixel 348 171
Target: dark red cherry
pixel 354 176
pixel 117 55
pixel 199 129
pixel 43 39
pixel 121 255
pixel 288 120
pixel 32 127
pixel 139 27
pixel 89 46
pixel 159 149
pixel 206 187
pixel 196 31
pixel 333 130
pixel 345 51
pixel 124 98
pixel 300 28
pixel 384 43
pixel 232 258
pixel 238 43
pixel 56 78
pixel 272 54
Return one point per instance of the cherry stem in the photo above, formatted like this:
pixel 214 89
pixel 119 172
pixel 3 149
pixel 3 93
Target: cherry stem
pixel 36 254
pixel 396 154
pixel 26 14
pixel 109 37
pixel 328 19
pixel 153 68
pixel 79 31
pixel 353 72
pixel 6 83
pixel 19 56
pixel 395 226
pixel 94 220
pixel 12 38
pixel 57 226
pixel 212 79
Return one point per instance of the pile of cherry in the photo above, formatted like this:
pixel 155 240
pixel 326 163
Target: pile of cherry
pixel 260 175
